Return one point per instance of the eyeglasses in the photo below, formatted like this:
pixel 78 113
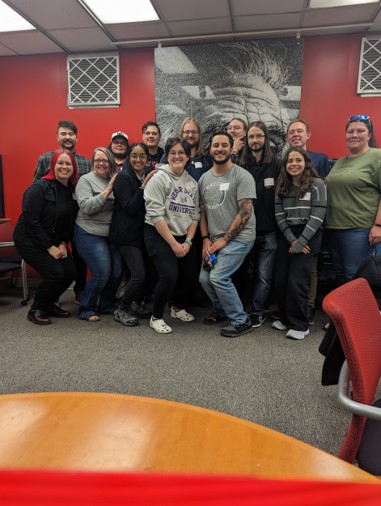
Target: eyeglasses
pixel 101 161
pixel 121 143
pixel 190 132
pixel 141 156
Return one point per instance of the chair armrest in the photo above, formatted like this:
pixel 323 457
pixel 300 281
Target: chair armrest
pixel 6 244
pixel 351 405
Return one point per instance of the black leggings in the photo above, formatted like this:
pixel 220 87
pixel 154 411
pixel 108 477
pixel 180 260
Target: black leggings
pixel 177 275
pixel 57 274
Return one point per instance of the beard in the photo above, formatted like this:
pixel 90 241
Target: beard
pixel 220 161
pixel 256 149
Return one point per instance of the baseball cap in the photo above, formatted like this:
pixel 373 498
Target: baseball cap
pixel 119 134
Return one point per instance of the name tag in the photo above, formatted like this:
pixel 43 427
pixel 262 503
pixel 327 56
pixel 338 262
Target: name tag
pixel 224 187
pixel 198 165
pixel 269 182
pixel 307 196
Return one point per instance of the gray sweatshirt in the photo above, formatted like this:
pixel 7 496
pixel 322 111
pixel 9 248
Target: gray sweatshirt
pixel 95 211
pixel 172 198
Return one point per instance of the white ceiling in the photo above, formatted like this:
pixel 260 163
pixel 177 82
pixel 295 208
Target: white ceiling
pixel 67 26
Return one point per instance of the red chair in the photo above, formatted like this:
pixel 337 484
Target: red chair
pixel 356 316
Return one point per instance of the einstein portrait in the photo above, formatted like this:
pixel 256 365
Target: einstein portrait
pixel 253 80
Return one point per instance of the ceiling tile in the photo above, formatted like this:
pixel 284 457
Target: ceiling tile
pixel 338 16
pixel 127 31
pixel 177 10
pixel 267 22
pixel 250 7
pixel 5 51
pixel 203 26
pixel 86 39
pixel 29 43
pixel 55 14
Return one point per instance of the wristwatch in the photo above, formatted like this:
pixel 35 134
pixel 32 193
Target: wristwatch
pixel 189 241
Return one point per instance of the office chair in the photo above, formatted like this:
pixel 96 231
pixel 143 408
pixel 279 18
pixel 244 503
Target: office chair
pixel 10 260
pixel 356 316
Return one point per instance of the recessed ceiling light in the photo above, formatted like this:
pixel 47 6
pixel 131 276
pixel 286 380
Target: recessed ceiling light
pixel 120 11
pixel 10 21
pixel 321 4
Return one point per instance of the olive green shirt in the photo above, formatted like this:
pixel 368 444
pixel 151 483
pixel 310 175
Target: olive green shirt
pixel 354 190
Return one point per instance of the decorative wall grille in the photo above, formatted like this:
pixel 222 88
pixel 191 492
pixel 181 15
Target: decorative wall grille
pixel 369 80
pixel 93 81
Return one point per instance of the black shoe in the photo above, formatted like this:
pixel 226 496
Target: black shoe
pixel 257 320
pixel 237 330
pixel 58 312
pixel 310 315
pixel 38 317
pixel 215 317
pixel 140 310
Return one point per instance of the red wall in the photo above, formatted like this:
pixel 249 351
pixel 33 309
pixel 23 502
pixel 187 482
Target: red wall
pixel 329 97
pixel 33 94
pixel 33 97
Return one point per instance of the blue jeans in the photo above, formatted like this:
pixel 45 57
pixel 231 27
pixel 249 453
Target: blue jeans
pixel 348 249
pixel 262 258
pixel 217 283
pixel 105 263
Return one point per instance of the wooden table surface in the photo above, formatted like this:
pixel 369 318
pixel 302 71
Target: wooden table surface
pixel 112 432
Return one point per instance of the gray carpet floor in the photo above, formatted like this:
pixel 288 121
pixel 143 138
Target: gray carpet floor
pixel 262 376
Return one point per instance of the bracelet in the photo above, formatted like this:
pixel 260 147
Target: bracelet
pixel 377 225
pixel 205 237
pixel 188 240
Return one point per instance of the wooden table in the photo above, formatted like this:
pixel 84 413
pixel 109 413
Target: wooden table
pixel 111 432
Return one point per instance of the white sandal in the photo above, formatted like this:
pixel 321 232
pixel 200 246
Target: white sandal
pixel 182 315
pixel 160 326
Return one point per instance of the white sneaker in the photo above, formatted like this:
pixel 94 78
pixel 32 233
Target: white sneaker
pixel 297 334
pixel 279 325
pixel 182 315
pixel 160 326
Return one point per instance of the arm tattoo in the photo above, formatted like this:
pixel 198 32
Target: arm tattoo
pixel 245 209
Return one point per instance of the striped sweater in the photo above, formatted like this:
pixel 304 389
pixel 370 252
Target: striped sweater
pixel 308 211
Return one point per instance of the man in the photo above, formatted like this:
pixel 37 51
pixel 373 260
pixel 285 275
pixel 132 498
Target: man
pixel 298 133
pixel 67 138
pixel 228 231
pixel 199 162
pixel 264 168
pixel 151 136
pixel 119 147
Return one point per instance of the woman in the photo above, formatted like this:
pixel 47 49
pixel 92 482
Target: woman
pixel 237 128
pixel 96 202
pixel 353 218
pixel 126 231
pixel 43 231
pixel 300 205
pixel 172 205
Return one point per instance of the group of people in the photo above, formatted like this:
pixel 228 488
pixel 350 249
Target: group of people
pixel 167 218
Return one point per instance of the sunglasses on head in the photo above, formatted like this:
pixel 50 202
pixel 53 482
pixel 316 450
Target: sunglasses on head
pixel 361 117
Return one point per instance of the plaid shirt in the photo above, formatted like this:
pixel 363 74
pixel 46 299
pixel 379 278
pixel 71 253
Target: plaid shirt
pixel 83 164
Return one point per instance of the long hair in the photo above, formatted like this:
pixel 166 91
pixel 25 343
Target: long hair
pixel 267 153
pixel 284 182
pixel 50 176
pixel 110 158
pixel 190 119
